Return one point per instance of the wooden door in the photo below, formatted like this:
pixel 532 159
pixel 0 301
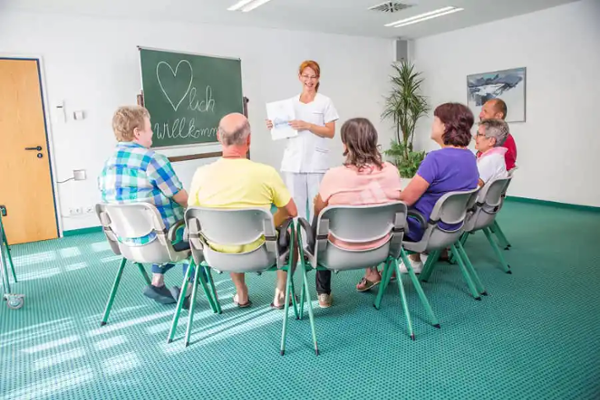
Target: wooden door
pixel 25 178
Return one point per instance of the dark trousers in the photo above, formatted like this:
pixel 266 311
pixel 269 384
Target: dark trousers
pixel 323 282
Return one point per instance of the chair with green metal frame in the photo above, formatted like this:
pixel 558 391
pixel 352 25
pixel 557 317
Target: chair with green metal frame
pixel 14 301
pixel 451 210
pixel 357 224
pixel 483 215
pixel 6 246
pixel 126 221
pixel 495 227
pixel 238 227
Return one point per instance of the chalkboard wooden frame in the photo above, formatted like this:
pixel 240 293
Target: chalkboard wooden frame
pixel 218 70
pixel 140 101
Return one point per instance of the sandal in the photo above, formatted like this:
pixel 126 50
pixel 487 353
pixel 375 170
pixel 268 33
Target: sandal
pixel 366 284
pixel 245 305
pixel 282 306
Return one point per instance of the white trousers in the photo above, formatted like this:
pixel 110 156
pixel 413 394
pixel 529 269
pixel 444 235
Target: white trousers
pixel 303 188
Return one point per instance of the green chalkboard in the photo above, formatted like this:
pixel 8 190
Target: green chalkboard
pixel 187 95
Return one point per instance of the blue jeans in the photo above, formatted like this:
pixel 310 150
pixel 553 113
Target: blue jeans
pixel 162 268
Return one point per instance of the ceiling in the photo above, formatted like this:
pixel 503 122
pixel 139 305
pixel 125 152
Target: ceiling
pixel 350 17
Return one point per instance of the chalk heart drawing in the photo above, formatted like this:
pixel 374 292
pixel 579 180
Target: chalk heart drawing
pixel 175 84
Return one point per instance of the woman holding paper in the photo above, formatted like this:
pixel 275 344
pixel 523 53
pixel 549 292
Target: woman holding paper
pixel 306 157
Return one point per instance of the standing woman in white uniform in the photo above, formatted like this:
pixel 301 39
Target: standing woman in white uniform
pixel 306 156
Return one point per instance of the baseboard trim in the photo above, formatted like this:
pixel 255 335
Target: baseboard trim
pixel 83 231
pixel 552 204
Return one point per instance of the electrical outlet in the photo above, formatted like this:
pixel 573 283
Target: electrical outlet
pixel 75 211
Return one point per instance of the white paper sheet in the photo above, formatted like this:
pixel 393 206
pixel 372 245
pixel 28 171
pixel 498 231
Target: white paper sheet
pixel 281 113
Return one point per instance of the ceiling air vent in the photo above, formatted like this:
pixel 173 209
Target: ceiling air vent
pixel 390 7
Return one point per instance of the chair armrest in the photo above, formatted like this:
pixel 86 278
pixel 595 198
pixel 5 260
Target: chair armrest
pixel 284 237
pixel 172 234
pixel 310 235
pixel 420 217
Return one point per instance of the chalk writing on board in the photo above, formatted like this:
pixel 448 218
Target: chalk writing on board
pixel 173 92
pixel 208 103
pixel 180 128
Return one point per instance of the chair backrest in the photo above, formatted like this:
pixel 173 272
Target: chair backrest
pixel 450 209
pixel 121 222
pixel 233 227
pixel 489 202
pixel 359 225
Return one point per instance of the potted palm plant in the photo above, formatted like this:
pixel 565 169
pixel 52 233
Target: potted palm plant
pixel 405 105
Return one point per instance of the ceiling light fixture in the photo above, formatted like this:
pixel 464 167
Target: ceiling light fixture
pixel 247 5
pixel 424 17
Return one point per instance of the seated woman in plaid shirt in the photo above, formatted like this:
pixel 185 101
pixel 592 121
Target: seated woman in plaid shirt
pixel 135 173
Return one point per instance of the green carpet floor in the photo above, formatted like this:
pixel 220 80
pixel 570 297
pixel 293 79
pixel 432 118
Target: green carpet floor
pixel 536 336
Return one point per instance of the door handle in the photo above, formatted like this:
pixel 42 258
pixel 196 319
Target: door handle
pixel 38 148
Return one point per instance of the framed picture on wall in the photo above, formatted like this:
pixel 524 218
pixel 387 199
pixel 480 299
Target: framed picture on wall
pixel 508 85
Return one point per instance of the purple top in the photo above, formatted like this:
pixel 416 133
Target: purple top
pixel 447 170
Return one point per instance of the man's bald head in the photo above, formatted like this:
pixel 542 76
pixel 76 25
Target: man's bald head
pixel 493 109
pixel 234 130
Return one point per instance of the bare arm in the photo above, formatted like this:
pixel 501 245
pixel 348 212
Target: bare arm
pixel 480 183
pixel 181 198
pixel 319 205
pixel 327 131
pixel 414 190
pixel 284 213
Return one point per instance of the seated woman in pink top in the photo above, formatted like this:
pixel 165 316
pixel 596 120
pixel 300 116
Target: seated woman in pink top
pixel 364 179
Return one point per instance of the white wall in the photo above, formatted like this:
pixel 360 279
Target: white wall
pixel 559 144
pixel 92 65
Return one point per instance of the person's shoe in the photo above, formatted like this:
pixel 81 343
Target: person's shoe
pixel 176 292
pixel 365 284
pixel 417 266
pixel 325 300
pixel 160 294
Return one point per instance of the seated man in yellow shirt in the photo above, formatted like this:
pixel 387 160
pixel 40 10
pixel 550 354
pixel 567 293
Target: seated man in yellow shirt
pixel 235 182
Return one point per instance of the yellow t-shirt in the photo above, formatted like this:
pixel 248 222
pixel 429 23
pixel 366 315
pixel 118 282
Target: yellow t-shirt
pixel 233 183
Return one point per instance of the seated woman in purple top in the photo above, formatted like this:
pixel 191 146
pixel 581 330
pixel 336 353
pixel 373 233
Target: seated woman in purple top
pixel 451 168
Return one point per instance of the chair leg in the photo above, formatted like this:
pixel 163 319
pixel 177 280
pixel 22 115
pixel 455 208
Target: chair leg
pixel 9 257
pixel 144 273
pixel 286 308
pixel 310 310
pixel 419 289
pixel 403 298
pixel 471 269
pixel 505 265
pixel 386 275
pixel 429 266
pixel 207 291
pixel 302 297
pixel 463 238
pixel 4 272
pixel 465 273
pixel 113 292
pixel 197 277
pixel 212 288
pixel 180 301
pixel 294 299
pixel 501 237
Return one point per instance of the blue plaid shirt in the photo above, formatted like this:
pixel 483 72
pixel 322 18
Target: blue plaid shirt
pixel 137 174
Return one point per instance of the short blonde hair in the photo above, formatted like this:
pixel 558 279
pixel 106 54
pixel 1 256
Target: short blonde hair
pixel 126 119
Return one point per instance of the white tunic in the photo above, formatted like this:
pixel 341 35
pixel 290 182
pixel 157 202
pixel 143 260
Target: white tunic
pixel 307 152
